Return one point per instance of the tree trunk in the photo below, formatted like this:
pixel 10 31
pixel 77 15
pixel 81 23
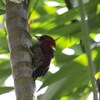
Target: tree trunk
pixel 19 41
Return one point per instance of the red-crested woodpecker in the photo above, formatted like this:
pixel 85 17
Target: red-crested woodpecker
pixel 42 52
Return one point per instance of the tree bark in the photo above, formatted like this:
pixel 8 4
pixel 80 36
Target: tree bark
pixel 19 41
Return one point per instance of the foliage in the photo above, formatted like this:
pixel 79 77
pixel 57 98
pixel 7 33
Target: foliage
pixel 72 81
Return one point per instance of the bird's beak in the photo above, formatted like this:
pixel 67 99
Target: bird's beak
pixel 54 48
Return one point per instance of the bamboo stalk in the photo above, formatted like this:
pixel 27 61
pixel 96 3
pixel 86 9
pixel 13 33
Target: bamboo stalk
pixel 86 41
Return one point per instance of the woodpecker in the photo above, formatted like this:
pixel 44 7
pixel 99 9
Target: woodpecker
pixel 42 52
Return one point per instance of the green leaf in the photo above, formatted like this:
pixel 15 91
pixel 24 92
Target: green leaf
pixel 5 89
pixel 3 42
pixel 4 73
pixel 68 69
pixel 2 4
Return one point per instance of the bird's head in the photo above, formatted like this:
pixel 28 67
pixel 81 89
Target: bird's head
pixel 47 39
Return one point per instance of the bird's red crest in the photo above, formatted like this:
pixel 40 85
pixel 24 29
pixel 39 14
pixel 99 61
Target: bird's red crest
pixel 48 39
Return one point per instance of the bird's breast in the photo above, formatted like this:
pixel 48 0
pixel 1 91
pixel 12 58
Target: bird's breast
pixel 47 52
